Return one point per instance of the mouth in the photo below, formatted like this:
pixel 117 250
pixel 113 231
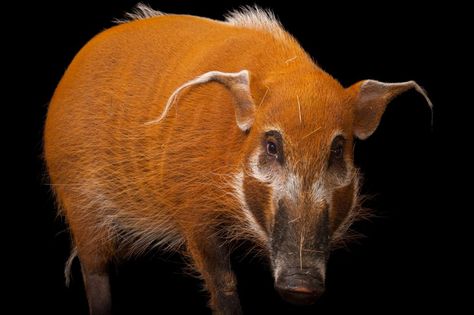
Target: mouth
pixel 301 289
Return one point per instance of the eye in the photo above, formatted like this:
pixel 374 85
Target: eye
pixel 336 164
pixel 338 152
pixel 272 148
pixel 337 148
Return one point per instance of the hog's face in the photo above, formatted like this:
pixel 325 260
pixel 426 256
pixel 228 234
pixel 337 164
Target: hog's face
pixel 302 151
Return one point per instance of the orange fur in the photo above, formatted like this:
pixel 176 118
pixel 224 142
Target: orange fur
pixel 125 184
pixel 111 170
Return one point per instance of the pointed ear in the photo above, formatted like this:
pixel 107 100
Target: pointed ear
pixel 371 99
pixel 238 84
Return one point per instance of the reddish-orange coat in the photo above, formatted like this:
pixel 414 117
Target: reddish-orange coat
pixel 125 185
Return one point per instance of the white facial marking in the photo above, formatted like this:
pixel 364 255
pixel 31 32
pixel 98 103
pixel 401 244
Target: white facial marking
pixel 255 170
pixel 292 186
pixel 318 191
pixel 238 187
pixel 289 186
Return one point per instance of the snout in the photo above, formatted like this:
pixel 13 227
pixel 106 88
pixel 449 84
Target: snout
pixel 300 288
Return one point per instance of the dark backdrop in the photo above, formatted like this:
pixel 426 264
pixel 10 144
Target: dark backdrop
pixel 401 263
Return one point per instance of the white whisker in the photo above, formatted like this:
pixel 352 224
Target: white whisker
pixel 299 108
pixel 290 60
pixel 301 249
pixel 309 134
pixel 264 95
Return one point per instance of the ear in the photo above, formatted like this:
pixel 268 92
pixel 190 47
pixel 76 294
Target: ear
pixel 238 84
pixel 371 99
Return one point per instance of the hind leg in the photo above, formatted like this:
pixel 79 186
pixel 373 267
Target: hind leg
pixel 94 247
pixel 94 251
pixel 96 283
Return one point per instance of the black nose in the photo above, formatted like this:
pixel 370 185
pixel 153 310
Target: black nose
pixel 299 288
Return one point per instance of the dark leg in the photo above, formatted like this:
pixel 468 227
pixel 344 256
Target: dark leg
pixel 98 293
pixel 211 260
pixel 97 286
pixel 94 250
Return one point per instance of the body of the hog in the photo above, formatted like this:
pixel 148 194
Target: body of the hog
pixel 124 184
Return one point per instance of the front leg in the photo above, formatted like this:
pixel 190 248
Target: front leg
pixel 212 261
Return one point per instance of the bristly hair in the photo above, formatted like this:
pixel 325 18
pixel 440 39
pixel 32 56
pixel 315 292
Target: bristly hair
pixel 140 12
pixel 255 17
pixel 252 17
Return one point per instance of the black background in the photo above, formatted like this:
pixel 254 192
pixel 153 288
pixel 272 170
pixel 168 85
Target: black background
pixel 403 263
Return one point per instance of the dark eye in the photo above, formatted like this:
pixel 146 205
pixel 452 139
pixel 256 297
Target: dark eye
pixel 272 148
pixel 337 148
pixel 337 165
pixel 272 143
pixel 338 152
